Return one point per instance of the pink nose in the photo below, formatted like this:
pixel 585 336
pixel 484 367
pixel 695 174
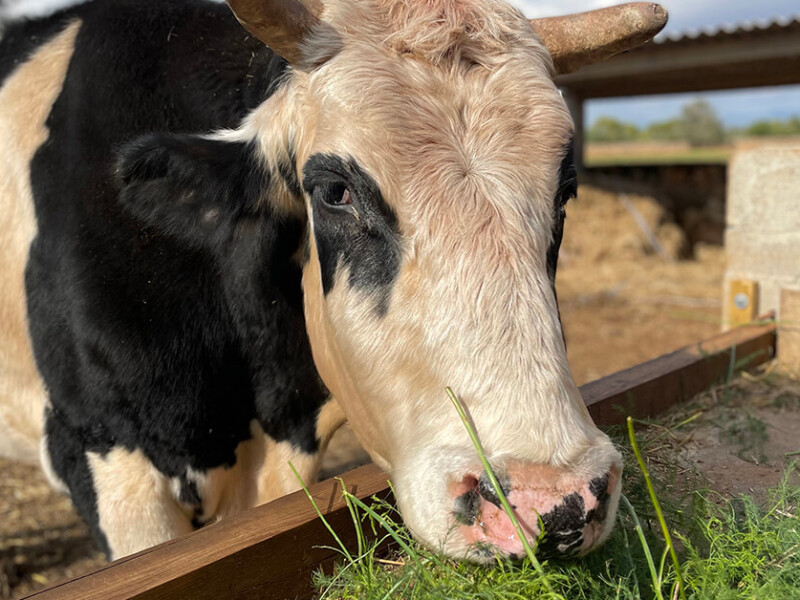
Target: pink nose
pixel 573 512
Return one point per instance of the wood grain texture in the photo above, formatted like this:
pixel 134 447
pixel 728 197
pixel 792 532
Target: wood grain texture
pixel 652 387
pixel 271 551
pixel 267 552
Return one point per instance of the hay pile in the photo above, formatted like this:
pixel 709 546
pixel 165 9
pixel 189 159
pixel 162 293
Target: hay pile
pixel 602 226
pixel 605 252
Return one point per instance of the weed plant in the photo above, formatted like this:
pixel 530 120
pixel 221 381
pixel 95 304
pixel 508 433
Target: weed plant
pixel 723 549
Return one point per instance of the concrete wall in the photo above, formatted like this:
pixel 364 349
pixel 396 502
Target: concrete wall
pixel 762 237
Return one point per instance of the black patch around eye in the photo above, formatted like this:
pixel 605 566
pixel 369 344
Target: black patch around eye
pixel 567 189
pixel 360 232
pixel 567 176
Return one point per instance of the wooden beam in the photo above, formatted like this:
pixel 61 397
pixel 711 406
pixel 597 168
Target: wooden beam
pixel 648 389
pixel 271 551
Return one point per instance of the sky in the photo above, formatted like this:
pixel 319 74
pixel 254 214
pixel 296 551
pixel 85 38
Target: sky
pixel 735 108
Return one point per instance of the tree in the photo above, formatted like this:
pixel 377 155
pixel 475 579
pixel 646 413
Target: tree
pixel 770 128
pixel 608 129
pixel 701 125
pixel 666 131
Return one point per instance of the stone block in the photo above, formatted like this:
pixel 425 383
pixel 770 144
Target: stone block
pixel 764 190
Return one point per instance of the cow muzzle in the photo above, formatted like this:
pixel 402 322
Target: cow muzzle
pixel 561 514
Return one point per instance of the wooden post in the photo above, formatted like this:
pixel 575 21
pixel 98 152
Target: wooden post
pixel 742 302
pixel 789 332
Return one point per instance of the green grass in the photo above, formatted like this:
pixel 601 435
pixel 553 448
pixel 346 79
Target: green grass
pixel 724 549
pixel 691 156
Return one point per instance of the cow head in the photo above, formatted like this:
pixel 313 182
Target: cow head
pixel 427 147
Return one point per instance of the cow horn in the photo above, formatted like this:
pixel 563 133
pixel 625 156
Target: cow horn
pixel 280 24
pixel 575 41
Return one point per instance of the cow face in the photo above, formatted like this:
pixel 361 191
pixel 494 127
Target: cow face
pixel 427 149
pixel 430 143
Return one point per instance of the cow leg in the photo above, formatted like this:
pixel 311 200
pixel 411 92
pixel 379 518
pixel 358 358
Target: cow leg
pixel 136 506
pixel 127 503
pixel 276 478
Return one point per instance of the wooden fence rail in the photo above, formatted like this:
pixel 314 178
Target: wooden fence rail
pixel 272 550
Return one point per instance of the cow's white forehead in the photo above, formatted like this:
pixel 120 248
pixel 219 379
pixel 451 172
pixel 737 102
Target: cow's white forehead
pixel 466 78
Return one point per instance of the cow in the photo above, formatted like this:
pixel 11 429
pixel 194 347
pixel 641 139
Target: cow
pixel 219 243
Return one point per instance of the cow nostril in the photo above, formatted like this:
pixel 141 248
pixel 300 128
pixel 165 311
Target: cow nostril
pixel 487 492
pixel 467 506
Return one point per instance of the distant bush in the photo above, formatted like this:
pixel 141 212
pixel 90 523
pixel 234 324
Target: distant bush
pixel 774 128
pixel 701 125
pixel 666 131
pixel 697 124
pixel 607 129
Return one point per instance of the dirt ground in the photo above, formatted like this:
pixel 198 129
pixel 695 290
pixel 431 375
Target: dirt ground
pixel 625 296
pixel 736 439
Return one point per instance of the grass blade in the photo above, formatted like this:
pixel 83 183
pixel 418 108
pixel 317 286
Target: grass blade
pixel 529 551
pixel 319 513
pixel 637 526
pixel 657 507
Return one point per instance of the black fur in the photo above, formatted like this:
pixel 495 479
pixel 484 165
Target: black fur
pixel 467 507
pixel 19 42
pixel 165 307
pixel 363 236
pixel 194 189
pixel 563 527
pixel 486 489
pixel 67 445
pixel 567 189
pixel 288 172
pixel 599 487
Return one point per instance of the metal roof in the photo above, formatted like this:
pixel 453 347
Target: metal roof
pixel 727 57
pixel 754 28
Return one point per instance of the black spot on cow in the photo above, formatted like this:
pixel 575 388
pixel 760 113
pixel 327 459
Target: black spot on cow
pixel 362 235
pixel 567 189
pixel 563 527
pixel 599 488
pixel 67 446
pixel 486 489
pixel 467 508
pixel 188 493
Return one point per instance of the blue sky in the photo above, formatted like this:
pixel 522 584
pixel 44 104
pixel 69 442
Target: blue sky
pixel 735 108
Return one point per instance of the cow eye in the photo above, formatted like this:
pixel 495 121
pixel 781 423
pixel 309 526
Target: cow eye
pixel 337 195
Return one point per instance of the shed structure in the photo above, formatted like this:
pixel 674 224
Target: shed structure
pixel 744 56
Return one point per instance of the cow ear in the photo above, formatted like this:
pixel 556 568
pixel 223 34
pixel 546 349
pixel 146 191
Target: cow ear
pixel 191 187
